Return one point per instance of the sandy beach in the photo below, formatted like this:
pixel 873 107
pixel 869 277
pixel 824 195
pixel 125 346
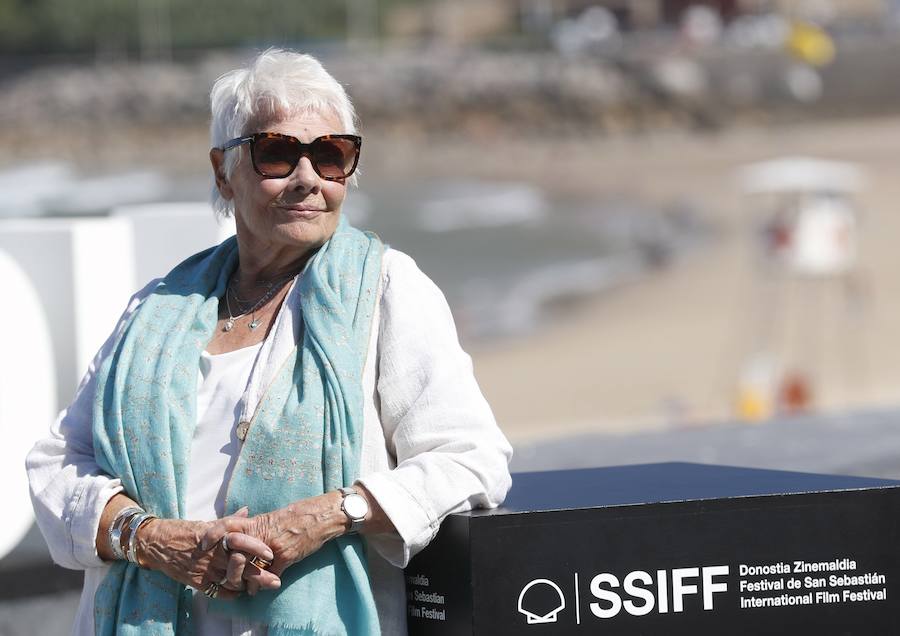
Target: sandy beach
pixel 666 352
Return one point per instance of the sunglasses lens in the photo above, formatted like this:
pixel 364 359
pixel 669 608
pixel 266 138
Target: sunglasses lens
pixel 275 157
pixel 334 158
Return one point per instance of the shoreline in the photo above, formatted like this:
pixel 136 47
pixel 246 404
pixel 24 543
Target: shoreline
pixel 663 351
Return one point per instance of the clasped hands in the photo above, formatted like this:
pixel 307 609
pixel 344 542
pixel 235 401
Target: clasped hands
pixel 192 552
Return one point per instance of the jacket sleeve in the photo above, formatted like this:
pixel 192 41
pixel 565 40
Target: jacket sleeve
pixel 68 489
pixel 451 455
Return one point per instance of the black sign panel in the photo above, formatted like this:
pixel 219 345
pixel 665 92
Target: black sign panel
pixel 786 553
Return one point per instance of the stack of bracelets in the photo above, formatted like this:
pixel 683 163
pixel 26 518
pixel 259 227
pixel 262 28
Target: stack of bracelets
pixel 130 517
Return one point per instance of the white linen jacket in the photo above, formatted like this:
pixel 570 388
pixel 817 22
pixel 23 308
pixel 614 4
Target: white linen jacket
pixel 431 445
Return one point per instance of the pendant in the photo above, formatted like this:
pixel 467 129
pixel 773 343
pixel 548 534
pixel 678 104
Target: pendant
pixel 229 324
pixel 255 323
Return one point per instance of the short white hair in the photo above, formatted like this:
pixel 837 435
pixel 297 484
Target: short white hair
pixel 278 84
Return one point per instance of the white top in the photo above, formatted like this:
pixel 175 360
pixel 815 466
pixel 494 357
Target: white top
pixel 222 380
pixel 430 442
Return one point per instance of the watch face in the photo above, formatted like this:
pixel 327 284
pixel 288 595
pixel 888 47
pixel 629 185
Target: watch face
pixel 356 506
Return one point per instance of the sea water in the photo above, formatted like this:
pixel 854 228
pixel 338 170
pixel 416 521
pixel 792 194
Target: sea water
pixel 506 253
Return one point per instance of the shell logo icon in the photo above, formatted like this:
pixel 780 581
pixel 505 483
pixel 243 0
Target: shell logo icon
pixel 538 598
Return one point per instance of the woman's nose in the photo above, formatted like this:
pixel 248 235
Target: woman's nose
pixel 304 176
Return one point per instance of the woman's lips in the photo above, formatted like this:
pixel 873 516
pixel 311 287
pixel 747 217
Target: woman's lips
pixel 302 211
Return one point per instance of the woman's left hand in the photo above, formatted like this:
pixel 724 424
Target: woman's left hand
pixel 292 533
pixel 298 530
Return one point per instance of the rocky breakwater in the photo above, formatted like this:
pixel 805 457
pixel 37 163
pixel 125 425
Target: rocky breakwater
pixel 468 91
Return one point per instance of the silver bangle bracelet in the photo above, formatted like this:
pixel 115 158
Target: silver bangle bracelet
pixel 124 520
pixel 114 533
pixel 136 522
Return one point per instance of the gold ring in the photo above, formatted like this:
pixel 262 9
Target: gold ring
pixel 260 562
pixel 212 590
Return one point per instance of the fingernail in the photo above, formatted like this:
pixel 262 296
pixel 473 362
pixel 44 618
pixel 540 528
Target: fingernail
pixel 277 583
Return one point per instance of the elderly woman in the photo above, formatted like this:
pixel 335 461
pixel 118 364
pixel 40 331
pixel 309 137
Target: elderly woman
pixel 283 420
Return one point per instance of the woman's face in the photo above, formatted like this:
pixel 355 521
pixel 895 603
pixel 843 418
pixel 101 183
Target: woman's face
pixel 299 211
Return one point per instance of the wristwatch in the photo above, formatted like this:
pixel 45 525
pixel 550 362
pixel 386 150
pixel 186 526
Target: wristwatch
pixel 355 507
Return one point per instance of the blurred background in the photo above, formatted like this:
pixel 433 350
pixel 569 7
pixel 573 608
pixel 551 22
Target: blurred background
pixel 666 228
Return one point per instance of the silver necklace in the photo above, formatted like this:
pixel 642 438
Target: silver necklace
pixel 229 324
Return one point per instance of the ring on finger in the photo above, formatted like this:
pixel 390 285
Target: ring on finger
pixel 260 562
pixel 212 590
pixel 225 543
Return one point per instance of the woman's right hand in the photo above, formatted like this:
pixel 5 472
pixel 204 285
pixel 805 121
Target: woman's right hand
pixel 173 546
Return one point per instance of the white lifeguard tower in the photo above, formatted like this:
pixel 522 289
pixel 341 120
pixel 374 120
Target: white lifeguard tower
pixel 806 216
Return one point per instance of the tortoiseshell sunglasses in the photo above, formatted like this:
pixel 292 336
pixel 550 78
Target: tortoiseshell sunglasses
pixel 274 156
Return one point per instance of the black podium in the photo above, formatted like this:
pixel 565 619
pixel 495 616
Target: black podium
pixel 666 549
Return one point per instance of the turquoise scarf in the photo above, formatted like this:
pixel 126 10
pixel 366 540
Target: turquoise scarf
pixel 305 439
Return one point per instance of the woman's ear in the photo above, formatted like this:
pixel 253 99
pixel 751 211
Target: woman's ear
pixel 217 159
